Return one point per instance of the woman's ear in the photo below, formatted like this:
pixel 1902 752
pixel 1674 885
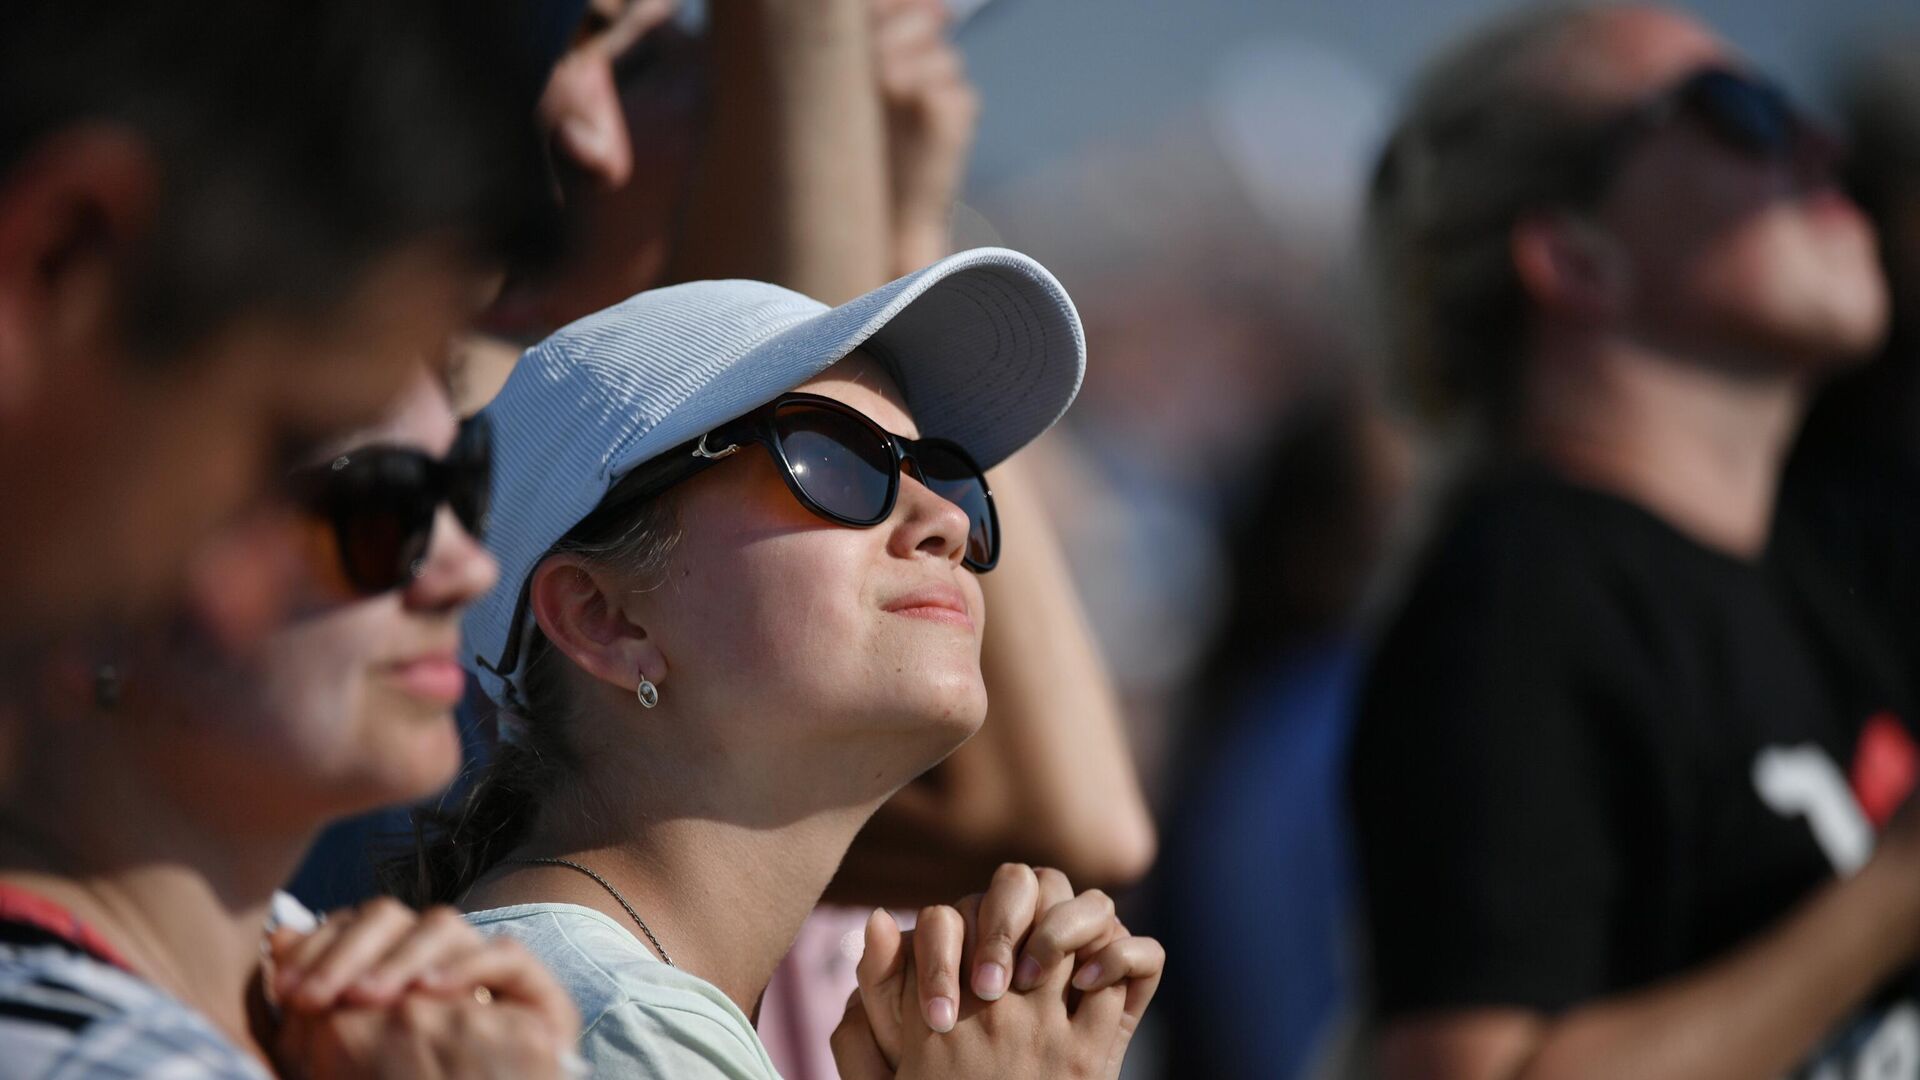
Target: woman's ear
pixel 578 606
pixel 71 215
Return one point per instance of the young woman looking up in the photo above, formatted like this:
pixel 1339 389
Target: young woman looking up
pixel 740 532
pixel 161 787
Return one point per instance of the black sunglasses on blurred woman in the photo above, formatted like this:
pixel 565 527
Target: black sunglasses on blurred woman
pixel 377 504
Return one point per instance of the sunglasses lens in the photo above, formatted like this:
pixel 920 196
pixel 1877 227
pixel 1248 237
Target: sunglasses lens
pixel 843 465
pixel 950 474
pixel 470 476
pixel 384 517
pixel 1750 115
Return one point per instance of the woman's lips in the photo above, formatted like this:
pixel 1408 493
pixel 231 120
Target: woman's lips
pixel 434 677
pixel 940 604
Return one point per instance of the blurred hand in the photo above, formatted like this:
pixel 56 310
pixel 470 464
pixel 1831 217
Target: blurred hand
pixel 381 988
pixel 580 106
pixel 930 109
pixel 1081 980
pixel 422 1038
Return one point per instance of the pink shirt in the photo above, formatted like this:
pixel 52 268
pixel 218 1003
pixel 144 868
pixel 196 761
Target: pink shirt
pixel 808 994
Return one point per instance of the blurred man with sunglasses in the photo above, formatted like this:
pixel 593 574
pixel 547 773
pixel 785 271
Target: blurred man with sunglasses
pixel 1628 773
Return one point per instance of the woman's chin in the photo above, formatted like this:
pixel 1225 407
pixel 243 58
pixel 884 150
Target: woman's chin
pixel 416 762
pixel 959 712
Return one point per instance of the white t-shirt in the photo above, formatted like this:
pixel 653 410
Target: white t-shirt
pixel 639 1017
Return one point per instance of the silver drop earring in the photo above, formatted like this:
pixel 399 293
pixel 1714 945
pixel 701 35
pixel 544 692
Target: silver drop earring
pixel 648 693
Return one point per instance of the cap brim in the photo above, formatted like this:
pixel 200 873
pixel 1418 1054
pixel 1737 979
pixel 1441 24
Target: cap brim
pixel 986 347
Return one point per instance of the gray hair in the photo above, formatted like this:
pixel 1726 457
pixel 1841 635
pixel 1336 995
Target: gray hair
pixel 1483 142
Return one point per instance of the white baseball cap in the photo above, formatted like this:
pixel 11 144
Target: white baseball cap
pixel 985 345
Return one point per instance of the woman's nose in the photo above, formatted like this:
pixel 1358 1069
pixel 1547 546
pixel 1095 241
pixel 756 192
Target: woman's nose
pixel 456 571
pixel 924 521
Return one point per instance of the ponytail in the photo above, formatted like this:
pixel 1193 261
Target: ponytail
pixel 454 847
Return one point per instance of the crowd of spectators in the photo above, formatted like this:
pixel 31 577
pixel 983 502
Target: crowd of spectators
pixel 548 537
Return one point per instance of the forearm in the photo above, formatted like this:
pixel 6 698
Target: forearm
pixel 910 867
pixel 909 857
pixel 791 185
pixel 918 244
pixel 1755 1013
pixel 1055 742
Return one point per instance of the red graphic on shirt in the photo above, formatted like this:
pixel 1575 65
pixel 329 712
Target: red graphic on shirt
pixel 1885 766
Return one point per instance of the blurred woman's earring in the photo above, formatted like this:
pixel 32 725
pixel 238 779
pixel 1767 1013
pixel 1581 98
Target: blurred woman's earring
pixel 106 687
pixel 648 693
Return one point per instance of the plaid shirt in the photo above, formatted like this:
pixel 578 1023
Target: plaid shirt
pixel 70 1008
pixel 65 1013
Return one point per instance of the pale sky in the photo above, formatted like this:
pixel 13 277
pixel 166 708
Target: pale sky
pixel 1057 73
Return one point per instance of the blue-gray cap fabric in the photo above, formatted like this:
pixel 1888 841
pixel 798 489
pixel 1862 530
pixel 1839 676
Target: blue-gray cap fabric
pixel 985 345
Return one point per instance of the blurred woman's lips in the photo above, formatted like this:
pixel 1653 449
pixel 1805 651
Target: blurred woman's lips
pixel 937 603
pixel 434 676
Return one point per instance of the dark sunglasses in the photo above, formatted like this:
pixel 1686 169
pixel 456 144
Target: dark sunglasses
pixel 839 464
pixel 378 503
pixel 836 461
pixel 1744 112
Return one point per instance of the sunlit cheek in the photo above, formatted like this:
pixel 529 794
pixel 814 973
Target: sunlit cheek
pixel 318 672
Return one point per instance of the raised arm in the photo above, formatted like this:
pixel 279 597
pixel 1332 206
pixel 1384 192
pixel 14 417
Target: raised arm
pixel 791 184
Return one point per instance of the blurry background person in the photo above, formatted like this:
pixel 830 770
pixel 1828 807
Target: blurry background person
pixel 153 816
pixel 1267 981
pixel 1625 751
pixel 750 149
pixel 214 247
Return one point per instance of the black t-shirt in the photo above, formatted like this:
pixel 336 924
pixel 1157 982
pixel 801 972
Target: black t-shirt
pixel 1593 754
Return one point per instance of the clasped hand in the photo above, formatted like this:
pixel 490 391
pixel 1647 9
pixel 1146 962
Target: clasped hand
pixel 1056 987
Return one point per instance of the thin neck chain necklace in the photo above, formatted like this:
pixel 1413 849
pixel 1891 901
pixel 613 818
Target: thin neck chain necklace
pixel 607 885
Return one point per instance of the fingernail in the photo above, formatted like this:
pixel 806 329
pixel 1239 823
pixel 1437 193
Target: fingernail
pixel 1027 975
pixel 940 1014
pixel 1087 977
pixel 989 982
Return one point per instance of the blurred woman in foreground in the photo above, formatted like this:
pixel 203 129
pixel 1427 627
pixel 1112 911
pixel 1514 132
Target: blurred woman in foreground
pixel 160 788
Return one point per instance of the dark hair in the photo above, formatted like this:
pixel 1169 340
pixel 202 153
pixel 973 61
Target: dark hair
pixel 296 141
pixel 454 847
